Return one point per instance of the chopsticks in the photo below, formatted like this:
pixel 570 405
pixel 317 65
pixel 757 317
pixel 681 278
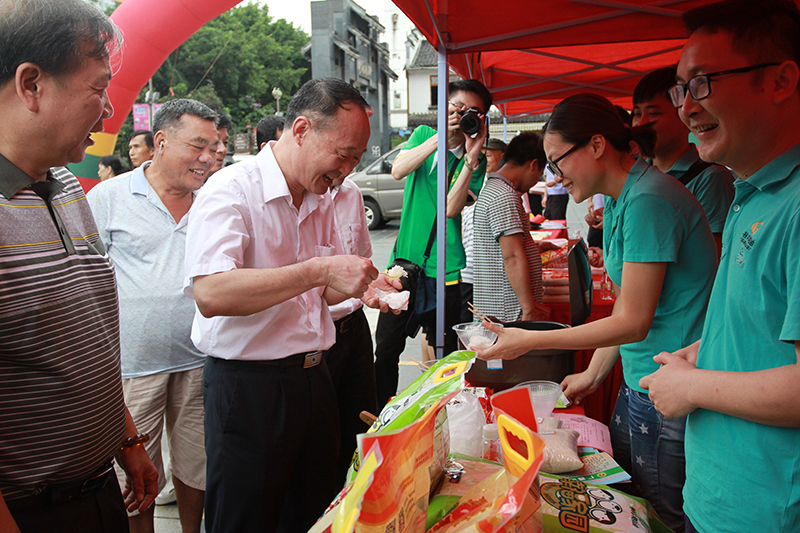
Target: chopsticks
pixel 423 366
pixel 477 312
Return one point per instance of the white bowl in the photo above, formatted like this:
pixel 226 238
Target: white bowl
pixel 474 336
pixel 544 395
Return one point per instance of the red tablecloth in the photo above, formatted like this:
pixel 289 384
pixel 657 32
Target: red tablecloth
pixel 600 404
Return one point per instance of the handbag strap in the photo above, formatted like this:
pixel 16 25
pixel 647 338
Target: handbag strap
pixel 427 253
pixel 694 170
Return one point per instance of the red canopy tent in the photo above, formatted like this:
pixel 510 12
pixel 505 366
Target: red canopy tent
pixel 531 54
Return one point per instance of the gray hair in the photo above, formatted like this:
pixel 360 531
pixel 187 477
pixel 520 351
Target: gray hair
pixel 58 36
pixel 169 114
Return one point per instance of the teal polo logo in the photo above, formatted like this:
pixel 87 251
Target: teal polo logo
pixel 747 241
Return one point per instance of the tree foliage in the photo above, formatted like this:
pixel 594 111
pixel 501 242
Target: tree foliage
pixel 235 59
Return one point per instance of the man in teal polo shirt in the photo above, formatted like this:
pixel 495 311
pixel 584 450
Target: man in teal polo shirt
pixel 738 92
pixel 418 163
pixel 712 185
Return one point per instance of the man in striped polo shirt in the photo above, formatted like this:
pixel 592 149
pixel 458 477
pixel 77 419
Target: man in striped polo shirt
pixel 62 415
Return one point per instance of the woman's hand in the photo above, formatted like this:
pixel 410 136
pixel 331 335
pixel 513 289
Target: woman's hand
pixel 511 343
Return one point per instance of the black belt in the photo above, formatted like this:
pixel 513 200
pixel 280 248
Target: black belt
pixel 341 324
pixel 60 493
pixel 305 360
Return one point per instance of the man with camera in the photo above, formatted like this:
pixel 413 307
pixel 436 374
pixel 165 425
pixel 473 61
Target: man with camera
pixel 469 103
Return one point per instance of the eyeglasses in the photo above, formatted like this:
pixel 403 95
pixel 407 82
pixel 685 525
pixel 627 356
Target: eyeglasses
pixel 700 86
pixel 552 166
pixel 461 105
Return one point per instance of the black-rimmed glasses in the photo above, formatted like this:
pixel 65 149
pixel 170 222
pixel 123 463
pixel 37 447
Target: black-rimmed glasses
pixel 553 165
pixel 700 86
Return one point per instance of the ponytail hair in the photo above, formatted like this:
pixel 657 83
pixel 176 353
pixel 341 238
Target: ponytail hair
pixel 580 117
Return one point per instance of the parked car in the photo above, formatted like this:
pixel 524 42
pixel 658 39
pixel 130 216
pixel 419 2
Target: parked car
pixel 383 195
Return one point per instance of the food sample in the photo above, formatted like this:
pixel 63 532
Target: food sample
pixel 396 272
pixel 395 300
pixel 479 342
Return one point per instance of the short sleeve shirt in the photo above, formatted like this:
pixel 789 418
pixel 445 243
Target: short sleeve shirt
pixel 656 220
pixel 752 323
pixel 499 213
pixel 713 187
pixel 419 210
pixel 62 412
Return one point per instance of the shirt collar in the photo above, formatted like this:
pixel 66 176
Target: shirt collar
pixel 777 170
pixel 13 179
pixel 274 182
pixel 502 178
pixel 639 168
pixel 139 183
pixel 458 152
pixel 685 162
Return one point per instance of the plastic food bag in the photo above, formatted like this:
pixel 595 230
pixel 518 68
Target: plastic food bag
pixel 504 501
pixel 561 451
pixel 465 420
pixel 391 495
pixel 445 377
pixel 461 474
pixel 569 505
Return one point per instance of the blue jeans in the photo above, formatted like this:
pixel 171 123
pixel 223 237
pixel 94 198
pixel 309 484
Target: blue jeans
pixel 650 447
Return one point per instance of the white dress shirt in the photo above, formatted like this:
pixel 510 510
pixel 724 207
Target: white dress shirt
pixel 353 233
pixel 243 217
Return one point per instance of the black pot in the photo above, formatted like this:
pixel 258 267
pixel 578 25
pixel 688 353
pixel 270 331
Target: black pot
pixel 550 365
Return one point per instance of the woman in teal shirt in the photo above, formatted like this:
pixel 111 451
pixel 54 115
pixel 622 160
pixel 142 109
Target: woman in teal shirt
pixel 660 253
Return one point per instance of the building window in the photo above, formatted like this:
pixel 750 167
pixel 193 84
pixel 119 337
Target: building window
pixel 434 95
pixel 398 101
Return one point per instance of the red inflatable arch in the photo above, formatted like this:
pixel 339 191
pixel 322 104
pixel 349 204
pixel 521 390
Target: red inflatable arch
pixel 152 29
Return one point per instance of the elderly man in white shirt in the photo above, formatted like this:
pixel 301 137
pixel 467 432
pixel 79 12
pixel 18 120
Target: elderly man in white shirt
pixel 262 266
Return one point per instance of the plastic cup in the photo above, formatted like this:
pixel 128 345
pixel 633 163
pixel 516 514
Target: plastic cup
pixel 544 395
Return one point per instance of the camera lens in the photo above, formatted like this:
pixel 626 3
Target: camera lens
pixel 470 124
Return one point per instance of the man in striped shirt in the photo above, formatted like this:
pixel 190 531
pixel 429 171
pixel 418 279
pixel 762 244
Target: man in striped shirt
pixel 62 415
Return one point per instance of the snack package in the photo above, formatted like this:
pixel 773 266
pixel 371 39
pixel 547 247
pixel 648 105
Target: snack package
pixel 507 500
pixel 392 494
pixel 461 473
pixel 570 505
pixel 561 451
pixel 445 377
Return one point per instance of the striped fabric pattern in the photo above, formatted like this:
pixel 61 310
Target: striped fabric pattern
pixel 499 212
pixel 61 406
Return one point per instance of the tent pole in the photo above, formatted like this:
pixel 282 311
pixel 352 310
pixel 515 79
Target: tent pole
pixel 442 100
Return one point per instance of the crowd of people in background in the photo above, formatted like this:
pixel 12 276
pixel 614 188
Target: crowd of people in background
pixel 221 305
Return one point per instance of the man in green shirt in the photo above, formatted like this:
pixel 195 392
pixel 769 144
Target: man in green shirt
pixel 418 163
pixel 737 90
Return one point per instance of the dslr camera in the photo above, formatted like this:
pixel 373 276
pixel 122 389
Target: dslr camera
pixel 470 122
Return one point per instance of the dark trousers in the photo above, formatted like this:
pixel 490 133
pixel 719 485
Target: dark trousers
pixel 102 512
pixel 350 365
pixel 272 437
pixel 466 297
pixel 595 237
pixel 556 208
pixel 390 340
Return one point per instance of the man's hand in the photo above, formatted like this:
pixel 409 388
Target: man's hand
pixel 350 274
pixel 596 257
pixel 384 284
pixel 141 478
pixel 670 385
